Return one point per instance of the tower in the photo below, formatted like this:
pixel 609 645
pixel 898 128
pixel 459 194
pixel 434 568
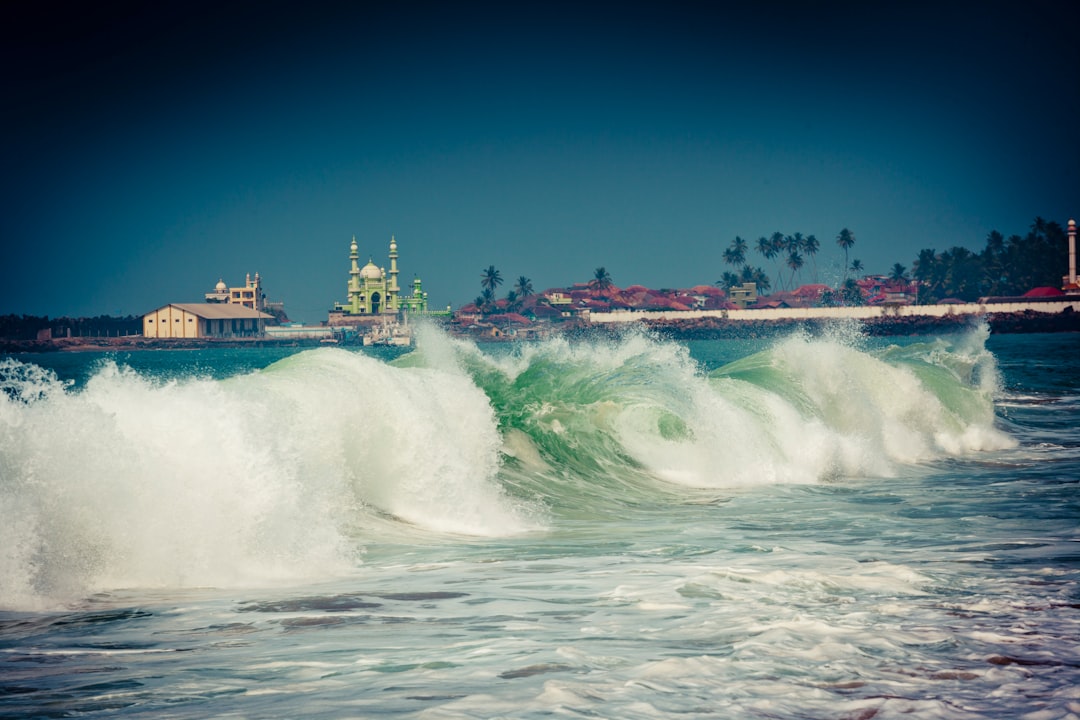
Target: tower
pixel 393 287
pixel 1070 282
pixel 354 278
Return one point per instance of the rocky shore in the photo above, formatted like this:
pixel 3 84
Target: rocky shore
pixel 138 342
pixel 1027 321
pixel 694 329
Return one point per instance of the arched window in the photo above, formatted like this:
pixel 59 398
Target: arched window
pixel 376 299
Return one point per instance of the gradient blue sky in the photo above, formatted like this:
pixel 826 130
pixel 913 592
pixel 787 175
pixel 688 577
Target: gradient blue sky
pixel 148 151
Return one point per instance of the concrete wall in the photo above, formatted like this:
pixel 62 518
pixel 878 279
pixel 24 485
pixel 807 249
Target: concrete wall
pixel 856 313
pixel 306 333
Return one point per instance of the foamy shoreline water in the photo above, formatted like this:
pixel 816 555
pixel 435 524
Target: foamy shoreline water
pixel 789 527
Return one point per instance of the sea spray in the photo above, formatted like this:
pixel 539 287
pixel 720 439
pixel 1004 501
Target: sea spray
pixel 947 589
pixel 261 477
pixel 417 443
pixel 598 422
pixel 133 480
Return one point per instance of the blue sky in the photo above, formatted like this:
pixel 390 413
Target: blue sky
pixel 148 152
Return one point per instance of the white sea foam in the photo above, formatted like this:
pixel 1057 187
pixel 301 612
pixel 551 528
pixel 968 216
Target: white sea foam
pixel 276 474
pixel 814 408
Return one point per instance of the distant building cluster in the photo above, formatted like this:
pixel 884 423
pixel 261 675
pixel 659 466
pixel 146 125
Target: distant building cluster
pixel 374 306
pixel 377 310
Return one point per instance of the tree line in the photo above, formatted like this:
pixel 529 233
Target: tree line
pixel 27 327
pixel 785 251
pixel 491 279
pixel 1005 267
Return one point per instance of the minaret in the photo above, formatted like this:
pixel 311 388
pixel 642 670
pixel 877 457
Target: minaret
pixel 354 278
pixel 392 287
pixel 1072 256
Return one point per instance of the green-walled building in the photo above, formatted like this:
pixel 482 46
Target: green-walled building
pixel 373 292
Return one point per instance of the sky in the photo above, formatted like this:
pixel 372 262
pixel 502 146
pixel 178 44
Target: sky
pixel 149 149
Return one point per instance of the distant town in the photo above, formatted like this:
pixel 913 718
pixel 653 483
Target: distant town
pixel 1016 280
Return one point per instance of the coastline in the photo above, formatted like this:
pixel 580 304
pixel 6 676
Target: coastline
pixel 697 328
pixel 1026 321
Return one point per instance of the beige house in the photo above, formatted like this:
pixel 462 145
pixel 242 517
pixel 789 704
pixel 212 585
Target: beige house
pixel 250 295
pixel 204 320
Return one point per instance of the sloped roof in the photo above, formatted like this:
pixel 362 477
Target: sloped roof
pixel 509 318
pixel 812 290
pixel 1044 291
pixel 219 311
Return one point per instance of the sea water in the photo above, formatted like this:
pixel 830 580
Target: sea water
pixel 823 526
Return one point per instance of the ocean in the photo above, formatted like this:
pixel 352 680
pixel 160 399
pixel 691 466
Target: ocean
pixel 801 526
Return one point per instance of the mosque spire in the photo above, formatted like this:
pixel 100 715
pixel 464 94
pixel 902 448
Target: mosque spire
pixel 393 287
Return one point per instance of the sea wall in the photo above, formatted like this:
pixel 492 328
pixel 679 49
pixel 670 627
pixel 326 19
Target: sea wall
pixel 840 313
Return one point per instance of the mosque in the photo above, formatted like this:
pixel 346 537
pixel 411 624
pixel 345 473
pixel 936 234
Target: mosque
pixel 373 292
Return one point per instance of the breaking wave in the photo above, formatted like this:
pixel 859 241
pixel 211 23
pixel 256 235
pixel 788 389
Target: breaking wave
pixel 286 472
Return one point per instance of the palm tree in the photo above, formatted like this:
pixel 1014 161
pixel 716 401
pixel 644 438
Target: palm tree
pixel 759 278
pixel 810 246
pixel 727 281
pixel 523 287
pixel 756 276
pixel 898 274
pixel 512 301
pixel 795 262
pixel 856 266
pixel 765 248
pixel 485 302
pixel 778 245
pixel 601 281
pixel 846 239
pixel 851 293
pixel 736 252
pixel 491 279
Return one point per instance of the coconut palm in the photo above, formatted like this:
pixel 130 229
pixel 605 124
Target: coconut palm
pixel 756 276
pixel 601 281
pixel 736 253
pixel 759 278
pixel 793 245
pixel 491 279
pixel 851 293
pixel 846 239
pixel 795 262
pixel 485 302
pixel 898 274
pixel 523 287
pixel 727 281
pixel 856 266
pixel 810 247
pixel 778 245
pixel 765 248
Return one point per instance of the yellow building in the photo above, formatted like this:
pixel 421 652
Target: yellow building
pixel 204 320
pixel 250 295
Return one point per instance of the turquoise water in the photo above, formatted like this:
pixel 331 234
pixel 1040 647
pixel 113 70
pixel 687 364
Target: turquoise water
pixel 797 527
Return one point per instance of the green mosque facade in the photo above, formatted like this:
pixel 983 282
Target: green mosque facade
pixel 373 291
